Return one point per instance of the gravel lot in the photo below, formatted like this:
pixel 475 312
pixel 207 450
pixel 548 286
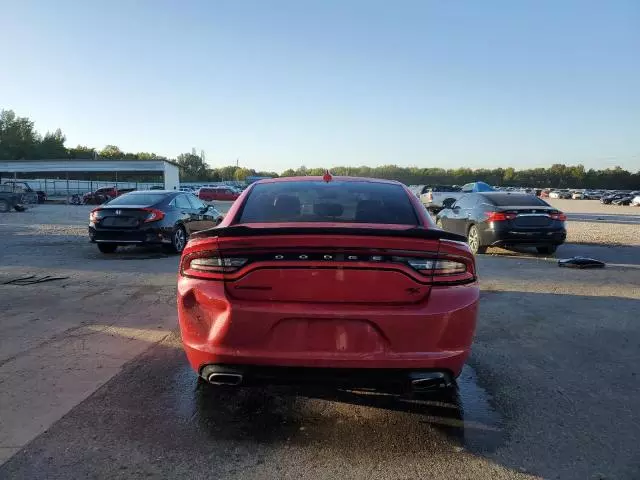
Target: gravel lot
pixel 591 222
pixel 551 389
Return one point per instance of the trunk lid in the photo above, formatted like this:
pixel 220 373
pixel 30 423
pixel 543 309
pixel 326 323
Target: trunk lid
pixel 328 264
pixel 530 217
pixel 127 216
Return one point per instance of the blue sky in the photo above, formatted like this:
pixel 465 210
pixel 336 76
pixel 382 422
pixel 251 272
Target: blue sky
pixel 284 83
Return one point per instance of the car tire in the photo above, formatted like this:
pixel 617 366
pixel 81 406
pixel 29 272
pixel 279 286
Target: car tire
pixel 19 208
pixel 107 247
pixel 473 239
pixel 178 240
pixel 4 206
pixel 547 250
pixel 218 222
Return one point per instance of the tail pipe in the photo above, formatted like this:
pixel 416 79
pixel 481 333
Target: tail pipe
pixel 221 376
pixel 430 381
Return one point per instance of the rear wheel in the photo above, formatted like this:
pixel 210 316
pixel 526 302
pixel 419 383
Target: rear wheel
pixel 178 240
pixel 473 239
pixel 107 247
pixel 547 250
pixel 4 206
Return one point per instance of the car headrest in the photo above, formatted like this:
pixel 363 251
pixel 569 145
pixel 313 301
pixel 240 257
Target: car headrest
pixel 287 205
pixel 328 209
pixel 368 211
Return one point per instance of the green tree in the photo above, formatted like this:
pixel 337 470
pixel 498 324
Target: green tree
pixel 111 151
pixel 18 138
pixel 193 167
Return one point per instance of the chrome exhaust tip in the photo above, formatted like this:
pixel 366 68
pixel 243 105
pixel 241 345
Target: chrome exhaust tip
pixel 224 379
pixel 430 381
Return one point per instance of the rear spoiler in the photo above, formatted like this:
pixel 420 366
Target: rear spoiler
pixel 244 231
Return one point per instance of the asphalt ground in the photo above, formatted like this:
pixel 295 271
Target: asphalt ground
pixel 551 389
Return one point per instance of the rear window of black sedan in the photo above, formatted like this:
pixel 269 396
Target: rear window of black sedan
pixel 514 200
pixel 139 199
pixel 335 201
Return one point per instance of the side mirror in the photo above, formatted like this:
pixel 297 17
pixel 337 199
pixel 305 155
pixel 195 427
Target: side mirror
pixel 448 202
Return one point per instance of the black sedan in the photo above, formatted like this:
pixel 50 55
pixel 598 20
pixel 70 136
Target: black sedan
pixel 164 218
pixel 505 220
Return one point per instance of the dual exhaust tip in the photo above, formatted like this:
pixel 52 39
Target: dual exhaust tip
pixel 419 382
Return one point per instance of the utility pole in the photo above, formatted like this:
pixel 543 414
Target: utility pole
pixel 237 161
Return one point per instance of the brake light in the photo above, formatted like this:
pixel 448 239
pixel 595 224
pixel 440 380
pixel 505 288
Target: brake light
pixel 95 215
pixel 154 215
pixel 436 267
pixel 444 270
pixel 208 264
pixel 500 216
pixel 558 216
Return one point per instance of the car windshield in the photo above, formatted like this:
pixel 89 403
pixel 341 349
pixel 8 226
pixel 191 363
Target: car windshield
pixel 336 201
pixel 138 199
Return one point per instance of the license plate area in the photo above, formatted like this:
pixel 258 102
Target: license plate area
pixel 341 336
pixel 122 222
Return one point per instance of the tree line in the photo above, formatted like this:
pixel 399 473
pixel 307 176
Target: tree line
pixel 20 140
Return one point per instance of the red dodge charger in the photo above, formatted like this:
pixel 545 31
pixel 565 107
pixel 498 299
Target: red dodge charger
pixel 328 279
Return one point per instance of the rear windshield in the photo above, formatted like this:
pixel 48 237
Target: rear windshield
pixel 337 201
pixel 515 200
pixel 138 199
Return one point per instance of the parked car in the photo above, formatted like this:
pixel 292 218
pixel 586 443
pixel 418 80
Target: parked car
pixel 577 195
pixel 100 196
pixel 625 199
pixel 609 198
pixel 592 195
pixel 432 196
pixel 505 220
pixel 209 194
pixel 10 199
pixel 345 281
pixel 564 194
pixel 636 201
pixel 164 218
pixel 40 196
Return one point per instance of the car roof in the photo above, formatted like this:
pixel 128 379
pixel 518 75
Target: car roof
pixel 315 178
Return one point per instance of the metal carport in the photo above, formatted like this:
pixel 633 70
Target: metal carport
pixel 170 170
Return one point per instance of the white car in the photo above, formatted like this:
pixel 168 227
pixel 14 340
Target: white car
pixel 636 201
pixel 577 196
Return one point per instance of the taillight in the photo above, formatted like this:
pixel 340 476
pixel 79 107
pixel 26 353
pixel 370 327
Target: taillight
pixel 95 215
pixel 208 264
pixel 154 215
pixel 444 270
pixel 558 216
pixel 500 216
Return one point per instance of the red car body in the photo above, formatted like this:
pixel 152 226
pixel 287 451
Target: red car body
pixel 209 194
pixel 364 303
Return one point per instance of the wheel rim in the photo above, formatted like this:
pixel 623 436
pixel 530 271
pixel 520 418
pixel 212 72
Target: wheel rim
pixel 179 239
pixel 474 241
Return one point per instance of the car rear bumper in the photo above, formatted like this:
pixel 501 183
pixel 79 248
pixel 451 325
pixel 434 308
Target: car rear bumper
pixel 435 335
pixel 155 235
pixel 523 237
pixel 389 379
